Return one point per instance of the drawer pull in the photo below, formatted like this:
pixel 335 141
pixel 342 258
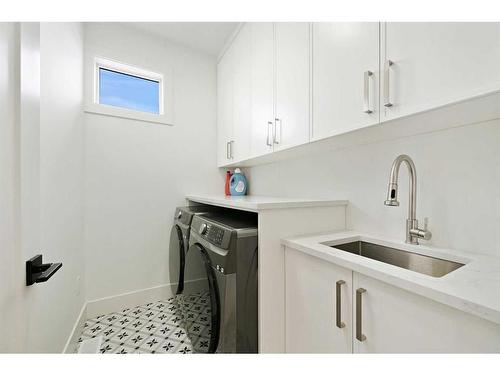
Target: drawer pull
pixel 338 296
pixel 359 315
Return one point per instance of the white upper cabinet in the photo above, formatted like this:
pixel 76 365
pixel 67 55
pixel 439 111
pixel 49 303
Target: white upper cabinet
pixel 240 148
pixel 262 80
pixel 345 77
pixel 434 64
pixel 263 91
pixel 275 78
pixel 234 100
pixel 292 84
pixel 224 107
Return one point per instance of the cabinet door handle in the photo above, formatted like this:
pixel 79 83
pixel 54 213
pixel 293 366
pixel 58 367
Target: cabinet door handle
pixel 359 315
pixel 387 68
pixel 227 149
pixel 277 134
pixel 338 293
pixel 231 156
pixel 366 92
pixel 269 131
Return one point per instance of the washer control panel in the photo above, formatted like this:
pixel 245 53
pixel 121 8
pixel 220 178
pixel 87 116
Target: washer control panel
pixel 212 233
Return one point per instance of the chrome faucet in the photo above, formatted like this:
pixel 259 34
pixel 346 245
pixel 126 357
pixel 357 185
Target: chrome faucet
pixel 413 233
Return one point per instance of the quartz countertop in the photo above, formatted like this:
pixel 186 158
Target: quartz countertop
pixel 256 203
pixel 473 288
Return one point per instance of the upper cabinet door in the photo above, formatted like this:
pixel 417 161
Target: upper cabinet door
pixel 240 147
pixel 432 64
pixel 224 107
pixel 292 84
pixel 262 61
pixel 345 77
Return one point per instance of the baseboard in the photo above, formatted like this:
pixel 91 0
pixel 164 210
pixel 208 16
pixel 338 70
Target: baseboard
pixel 119 302
pixel 72 341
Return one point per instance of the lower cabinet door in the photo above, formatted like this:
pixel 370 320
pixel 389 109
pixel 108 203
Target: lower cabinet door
pixel 387 319
pixel 318 305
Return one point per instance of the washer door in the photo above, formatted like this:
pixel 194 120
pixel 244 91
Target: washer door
pixel 176 261
pixel 201 301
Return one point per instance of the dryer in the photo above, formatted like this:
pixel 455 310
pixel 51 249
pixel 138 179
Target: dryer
pixel 179 243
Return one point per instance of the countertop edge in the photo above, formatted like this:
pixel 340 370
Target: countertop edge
pixel 258 206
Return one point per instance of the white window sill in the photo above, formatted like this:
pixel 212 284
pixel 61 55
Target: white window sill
pixel 105 110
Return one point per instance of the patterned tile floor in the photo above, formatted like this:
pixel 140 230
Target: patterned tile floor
pixel 153 328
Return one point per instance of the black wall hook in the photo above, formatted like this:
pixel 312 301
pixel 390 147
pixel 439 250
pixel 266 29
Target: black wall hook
pixel 37 272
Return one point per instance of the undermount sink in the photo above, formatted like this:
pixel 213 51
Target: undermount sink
pixel 427 265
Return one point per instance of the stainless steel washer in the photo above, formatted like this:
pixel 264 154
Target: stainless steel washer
pixel 219 300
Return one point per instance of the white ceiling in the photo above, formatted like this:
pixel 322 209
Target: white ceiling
pixel 208 37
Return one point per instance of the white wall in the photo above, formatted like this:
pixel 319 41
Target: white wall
pixel 136 173
pixel 40 194
pixel 458 184
pixel 61 179
pixel 11 257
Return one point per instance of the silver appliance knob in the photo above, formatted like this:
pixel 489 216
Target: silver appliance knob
pixel 179 214
pixel 203 228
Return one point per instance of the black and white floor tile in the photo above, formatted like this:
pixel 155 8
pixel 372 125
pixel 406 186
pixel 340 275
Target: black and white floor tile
pixel 153 328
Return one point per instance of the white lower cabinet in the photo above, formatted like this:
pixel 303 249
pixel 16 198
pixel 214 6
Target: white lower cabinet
pixel 378 317
pixel 396 321
pixel 312 289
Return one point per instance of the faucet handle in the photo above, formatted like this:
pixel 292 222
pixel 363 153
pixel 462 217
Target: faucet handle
pixel 422 233
pixel 426 232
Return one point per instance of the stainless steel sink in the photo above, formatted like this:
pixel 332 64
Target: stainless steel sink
pixel 411 261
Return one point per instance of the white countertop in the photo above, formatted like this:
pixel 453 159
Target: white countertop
pixel 473 288
pixel 256 203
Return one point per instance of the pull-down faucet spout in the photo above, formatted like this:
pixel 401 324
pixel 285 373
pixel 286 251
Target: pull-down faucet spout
pixel 413 233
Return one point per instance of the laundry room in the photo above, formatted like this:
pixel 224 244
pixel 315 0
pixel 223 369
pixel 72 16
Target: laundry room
pixel 243 183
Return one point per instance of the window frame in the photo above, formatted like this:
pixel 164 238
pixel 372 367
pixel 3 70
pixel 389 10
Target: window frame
pixel 94 106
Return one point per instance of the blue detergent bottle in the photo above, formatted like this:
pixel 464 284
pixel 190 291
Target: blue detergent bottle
pixel 238 183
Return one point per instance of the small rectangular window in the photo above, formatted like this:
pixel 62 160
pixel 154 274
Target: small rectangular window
pixel 128 87
pixel 128 91
pixel 120 90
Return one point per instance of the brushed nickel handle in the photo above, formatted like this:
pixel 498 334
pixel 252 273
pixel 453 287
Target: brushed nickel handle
pixel 387 99
pixel 366 92
pixel 338 293
pixel 227 150
pixel 359 315
pixel 269 131
pixel 231 156
pixel 277 134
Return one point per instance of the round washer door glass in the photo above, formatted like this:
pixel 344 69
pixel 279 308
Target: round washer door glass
pixel 201 301
pixel 176 260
